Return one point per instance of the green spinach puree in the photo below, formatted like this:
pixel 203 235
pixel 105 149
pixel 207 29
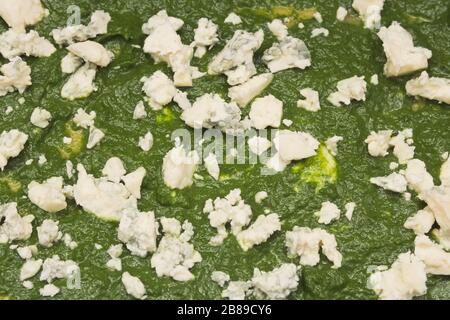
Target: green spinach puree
pixel 375 236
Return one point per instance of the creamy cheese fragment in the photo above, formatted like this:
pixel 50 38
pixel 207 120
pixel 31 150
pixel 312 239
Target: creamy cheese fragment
pixel 430 88
pixel 276 284
pixel 55 268
pixel 139 111
pixel 133 181
pixel 16 75
pixel 278 28
pixel 341 13
pixel 19 14
pixel 70 63
pixel 49 195
pixel 266 112
pixel 29 269
pixel 49 290
pixel 370 12
pixel 138 230
pixel 311 101
pixel 378 143
pixel 260 196
pixel 179 167
pixel 15 43
pixel 319 31
pixel 421 222
pixel 232 209
pixel 83 119
pixel 246 92
pixel 233 18
pixel 394 182
pixel 81 83
pixel 159 89
pixel 14 226
pixel 133 286
pixel 114 169
pixel 259 232
pixel 237 290
pixel 438 199
pixel 175 256
pixel 328 213
pixel 403 148
pixel 77 33
pixel 205 36
pixel 289 53
pixel 444 175
pixel 401 54
pixel 91 51
pixel 404 280
pixel 236 58
pixel 48 233
pixel 146 142
pixel 349 209
pixel 435 258
pixel 417 176
pixel 353 88
pixel 332 144
pixel 306 244
pixel 40 117
pixel 220 277
pixel 12 143
pixel 295 145
pixel 95 136
pixel 212 166
pixel 258 145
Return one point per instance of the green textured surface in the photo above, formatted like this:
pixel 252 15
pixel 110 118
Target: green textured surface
pixel 375 235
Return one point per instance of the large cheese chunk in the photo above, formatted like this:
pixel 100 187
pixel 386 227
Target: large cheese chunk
pixel 12 143
pixel 16 75
pixel 378 143
pixel 266 112
pixel 14 226
pixel 236 58
pixel 328 213
pixel 159 89
pixel 133 286
pixel 430 88
pixel 81 83
pixel 369 11
pixel 246 92
pixel 205 36
pixel 401 54
pixel 15 43
pixel 436 259
pixel 418 177
pixel 179 167
pixel 19 14
pixel 91 51
pixel 276 284
pixel 49 195
pixel 353 88
pixel 293 145
pixel 289 53
pixel 259 232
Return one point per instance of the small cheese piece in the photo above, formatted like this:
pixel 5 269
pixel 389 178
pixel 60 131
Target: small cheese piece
pixel 14 226
pixel 278 28
pixel 83 119
pixel 16 76
pixel 19 14
pixel 237 290
pixel 266 112
pixel 318 17
pixel 353 88
pixel 341 13
pixel 258 145
pixel 293 145
pixel 288 53
pixel 48 233
pixel 233 18
pixel 403 149
pixel 370 12
pixel 246 92
pixel 405 279
pixel 436 259
pixel 95 136
pixel 349 209
pixel 159 89
pixel 133 286
pixel 179 167
pixel 48 195
pixel 133 181
pixel 311 101
pixel 91 51
pixel 12 143
pixel 49 290
pixel 332 144
pixel 40 117
pixel 30 268
pixel 421 222
pixel 55 268
pixel 221 278
pixel 417 176
pixel 438 199
pixel 139 111
pixel 328 213
pixel 306 244
pixel 81 83
pixel 27 252
pixel 146 142
pixel 259 232
pixel 236 58
pixel 114 169
pixel 430 88
pixel 276 284
pixel 70 63
pixel 374 79
pixel 212 166
pixel 260 196
pixel 14 43
pixel 138 230
pixel 402 57
pixel 205 36
pixel 394 182
pixel 319 31
pixel 378 143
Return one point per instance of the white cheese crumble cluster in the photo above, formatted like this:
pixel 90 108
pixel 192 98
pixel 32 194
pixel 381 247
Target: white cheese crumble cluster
pixel 380 142
pixel 40 118
pixel 14 226
pixel 328 213
pixel 19 14
pixel 205 36
pixel 105 196
pixel 311 101
pixel 159 90
pixel 430 88
pixel 289 53
pixel 15 43
pixel 16 75
pixel 266 112
pixel 179 167
pixel 12 143
pixel 259 232
pixel 353 88
pixel 244 93
pixel 48 233
pixel 370 12
pixel 175 256
pixel 401 54
pixel 49 195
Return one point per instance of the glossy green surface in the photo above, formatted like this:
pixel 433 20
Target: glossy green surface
pixel 375 235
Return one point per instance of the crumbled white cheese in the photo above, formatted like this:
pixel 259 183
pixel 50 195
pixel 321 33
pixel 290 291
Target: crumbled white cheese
pixel 246 92
pixel 418 177
pixel 19 14
pixel 258 145
pixel 205 36
pixel 12 143
pixel 146 142
pixel 212 166
pixel 237 290
pixel 49 290
pixel 374 79
pixel 159 89
pixel 311 101
pixel 436 259
pixel 378 143
pixel 430 88
pixel 175 256
pixel 182 100
pixel 133 181
pixel 341 13
pixel 306 244
pixel 16 76
pixel 69 169
pixel 28 285
pixel 233 18
pixel 288 53
pixel 133 286
pixel 40 117
pixel 301 25
pixel 114 169
pixel 81 83
pixel 14 226
pixel 138 230
pixel 276 284
pixel 55 268
pixel 353 88
pixel 179 167
pixel 405 279
pixel 67 140
pixel 221 278
pixel 48 232
pixel 266 112
pixel 68 242
pixel 402 57
pixel 91 51
pixel 48 195
pixel 328 213
pixel 349 209
pixel 394 182
pixel 287 122
pixel 318 17
pixel 319 31
pixel 29 269
pixel 278 28
pixel 95 136
pixel 293 145
pixel 331 144
pixel 70 63
pixel 14 43
pixel 83 119
pixel 139 111
pixel 403 149
pixel 444 175
pixel 76 33
pixel 438 199
pixel 370 12
pixel 236 58
pixel 27 252
pixel 259 232
pixel 260 196
pixel 421 222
